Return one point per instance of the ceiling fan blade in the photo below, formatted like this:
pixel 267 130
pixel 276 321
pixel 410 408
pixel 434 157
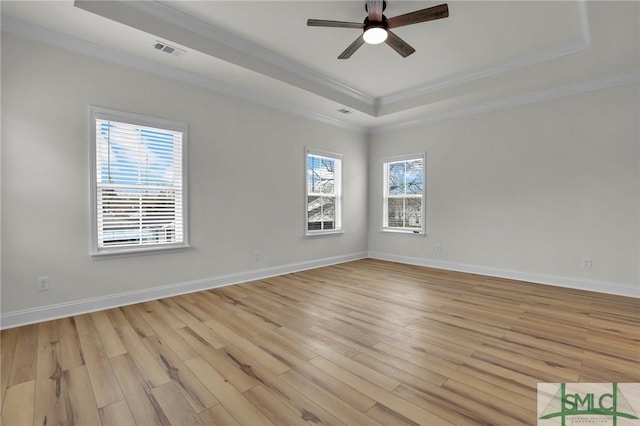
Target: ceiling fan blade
pixel 429 14
pixel 352 48
pixel 398 44
pixel 374 7
pixel 335 24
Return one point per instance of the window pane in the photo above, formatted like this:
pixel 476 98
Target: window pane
pixel 321 212
pixel 321 175
pixel 413 177
pixel 395 212
pixel 413 212
pixel 404 212
pixel 396 178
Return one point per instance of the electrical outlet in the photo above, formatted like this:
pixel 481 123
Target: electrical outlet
pixel 42 284
pixel 256 256
pixel 586 263
pixel 438 248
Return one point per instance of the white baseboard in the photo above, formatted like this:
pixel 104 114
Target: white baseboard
pixel 77 307
pixel 575 283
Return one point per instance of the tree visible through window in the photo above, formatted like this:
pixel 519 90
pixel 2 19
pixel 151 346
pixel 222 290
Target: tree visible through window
pixel 138 189
pixel 404 195
pixel 324 192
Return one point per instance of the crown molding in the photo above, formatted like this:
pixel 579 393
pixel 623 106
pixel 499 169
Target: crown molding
pixel 39 34
pixel 527 98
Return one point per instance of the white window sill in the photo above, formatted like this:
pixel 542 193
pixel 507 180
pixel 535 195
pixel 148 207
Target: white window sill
pixel 324 233
pixel 128 252
pixel 403 231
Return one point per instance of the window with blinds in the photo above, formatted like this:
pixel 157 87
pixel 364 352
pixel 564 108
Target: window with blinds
pixel 323 211
pixel 404 194
pixel 139 185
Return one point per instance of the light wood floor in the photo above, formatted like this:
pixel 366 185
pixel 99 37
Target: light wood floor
pixel 362 343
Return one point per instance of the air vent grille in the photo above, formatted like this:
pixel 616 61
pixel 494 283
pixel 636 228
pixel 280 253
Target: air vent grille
pixel 171 50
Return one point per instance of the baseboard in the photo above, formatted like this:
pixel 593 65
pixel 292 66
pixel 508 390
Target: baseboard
pixel 78 307
pixel 558 281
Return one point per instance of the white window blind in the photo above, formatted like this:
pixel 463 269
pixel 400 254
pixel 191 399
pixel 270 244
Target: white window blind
pixel 404 195
pixel 324 192
pixel 139 187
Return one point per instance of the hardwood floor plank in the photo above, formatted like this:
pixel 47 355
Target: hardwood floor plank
pixel 18 406
pixel 170 336
pixel 191 388
pixel 242 343
pixel 456 408
pixel 163 312
pixel 175 406
pixel 353 366
pixel 277 412
pixel 8 339
pixel 50 395
pixel 116 414
pixel 360 343
pixel 201 329
pixel 82 403
pixel 232 400
pixel 218 416
pixel 135 320
pixel 238 374
pixel 401 371
pixel 103 381
pixel 23 367
pixel 380 395
pixel 143 405
pixel 117 318
pixel 149 368
pixel 315 341
pixel 299 403
pixel 70 352
pixel 335 387
pixel 497 403
pixel 110 340
pixel 342 410
pixel 387 416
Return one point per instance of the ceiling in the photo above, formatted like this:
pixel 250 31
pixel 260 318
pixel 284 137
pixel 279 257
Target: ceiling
pixel 485 55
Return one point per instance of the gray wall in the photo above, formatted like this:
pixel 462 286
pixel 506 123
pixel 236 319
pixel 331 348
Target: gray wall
pixel 246 180
pixel 527 191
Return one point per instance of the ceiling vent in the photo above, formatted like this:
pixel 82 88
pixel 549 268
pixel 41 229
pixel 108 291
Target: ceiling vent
pixel 171 50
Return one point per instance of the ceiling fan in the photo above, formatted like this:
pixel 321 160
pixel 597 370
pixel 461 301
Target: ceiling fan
pixel 377 28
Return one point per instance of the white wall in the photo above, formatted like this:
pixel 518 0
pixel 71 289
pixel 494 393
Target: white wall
pixel 528 192
pixel 246 179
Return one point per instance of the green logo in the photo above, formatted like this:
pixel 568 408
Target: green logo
pixel 612 404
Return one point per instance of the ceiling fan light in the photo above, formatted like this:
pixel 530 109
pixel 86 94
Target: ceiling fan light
pixel 375 35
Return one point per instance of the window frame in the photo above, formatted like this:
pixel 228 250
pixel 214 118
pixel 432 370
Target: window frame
pixel 385 194
pixel 100 113
pixel 339 198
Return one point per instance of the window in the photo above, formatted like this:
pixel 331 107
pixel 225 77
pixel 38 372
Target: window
pixel 138 188
pixel 324 193
pixel 404 194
